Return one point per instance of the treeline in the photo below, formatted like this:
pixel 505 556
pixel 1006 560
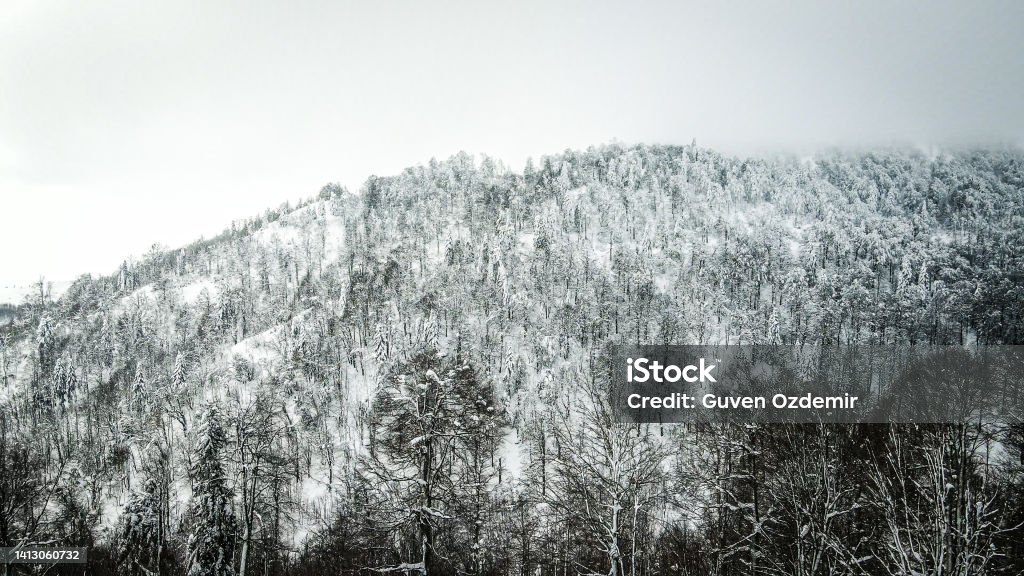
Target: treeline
pixel 411 378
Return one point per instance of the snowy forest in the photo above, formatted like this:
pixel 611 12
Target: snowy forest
pixel 411 378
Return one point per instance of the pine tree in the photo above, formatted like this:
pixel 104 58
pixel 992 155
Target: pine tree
pixel 179 371
pixel 424 419
pixel 482 423
pixel 139 535
pixel 46 344
pixel 211 543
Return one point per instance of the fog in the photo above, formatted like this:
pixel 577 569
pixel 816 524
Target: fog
pixel 125 124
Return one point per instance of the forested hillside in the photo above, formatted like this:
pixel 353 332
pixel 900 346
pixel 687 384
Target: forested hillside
pixel 411 377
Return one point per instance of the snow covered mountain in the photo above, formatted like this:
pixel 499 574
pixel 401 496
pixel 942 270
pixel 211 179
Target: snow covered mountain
pixel 278 372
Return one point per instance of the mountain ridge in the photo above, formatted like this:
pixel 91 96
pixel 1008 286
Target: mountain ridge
pixel 525 279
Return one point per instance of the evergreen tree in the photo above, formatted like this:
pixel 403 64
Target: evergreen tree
pixel 423 419
pixel 139 532
pixel 212 526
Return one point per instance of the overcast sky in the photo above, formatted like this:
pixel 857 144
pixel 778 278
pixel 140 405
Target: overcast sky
pixel 126 123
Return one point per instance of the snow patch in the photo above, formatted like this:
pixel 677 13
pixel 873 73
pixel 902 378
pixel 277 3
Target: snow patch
pixel 190 292
pixel 16 294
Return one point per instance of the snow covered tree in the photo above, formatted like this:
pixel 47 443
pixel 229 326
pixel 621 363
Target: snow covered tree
pixel 211 523
pixel 940 512
pixel 426 409
pixel 140 531
pixel 476 467
pixel 46 343
pixel 606 483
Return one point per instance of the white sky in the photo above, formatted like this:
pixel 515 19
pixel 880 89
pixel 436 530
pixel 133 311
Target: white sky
pixel 126 123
